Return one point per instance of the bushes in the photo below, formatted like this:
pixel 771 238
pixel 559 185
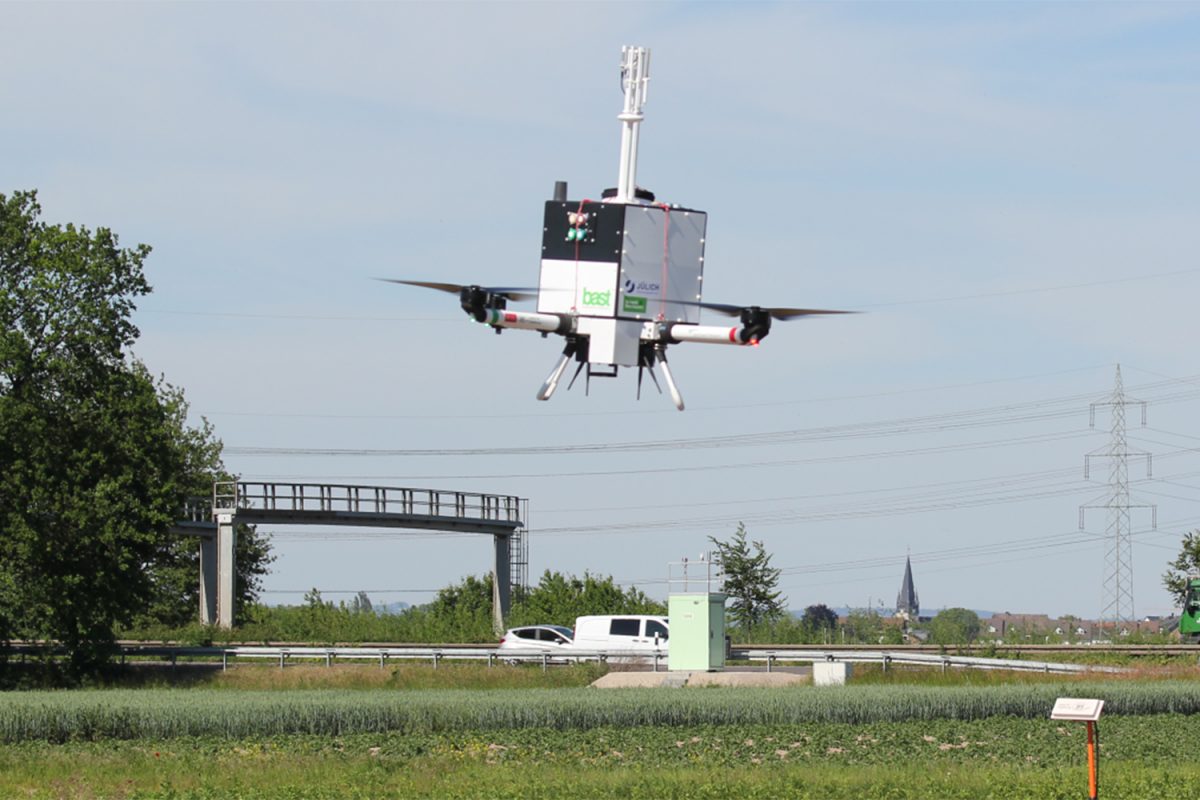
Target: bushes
pixel 459 613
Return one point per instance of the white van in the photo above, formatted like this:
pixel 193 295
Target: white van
pixel 622 633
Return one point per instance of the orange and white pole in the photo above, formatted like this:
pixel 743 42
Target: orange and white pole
pixel 1093 762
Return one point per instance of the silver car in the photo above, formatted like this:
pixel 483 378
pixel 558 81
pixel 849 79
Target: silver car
pixel 537 639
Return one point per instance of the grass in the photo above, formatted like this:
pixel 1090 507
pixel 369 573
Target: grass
pixel 268 676
pixel 466 676
pixel 909 675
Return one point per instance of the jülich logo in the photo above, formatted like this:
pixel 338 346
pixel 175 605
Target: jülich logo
pixel 643 287
pixel 600 299
pixel 633 305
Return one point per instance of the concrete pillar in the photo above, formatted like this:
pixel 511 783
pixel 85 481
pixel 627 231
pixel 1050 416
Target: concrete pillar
pixel 502 574
pixel 831 673
pixel 226 547
pixel 208 580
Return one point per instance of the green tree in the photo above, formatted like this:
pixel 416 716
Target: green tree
pixel 174 574
pixel 93 467
pixel 954 626
pixel 362 604
pixel 820 618
pixel 864 626
pixel 1185 566
pixel 750 581
pixel 559 599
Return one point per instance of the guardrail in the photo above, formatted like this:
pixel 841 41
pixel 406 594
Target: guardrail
pixel 772 657
pixel 383 655
pixel 981 649
pixel 889 657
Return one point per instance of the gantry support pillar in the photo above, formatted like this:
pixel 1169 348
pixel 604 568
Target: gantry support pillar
pixel 208 580
pixel 226 547
pixel 502 575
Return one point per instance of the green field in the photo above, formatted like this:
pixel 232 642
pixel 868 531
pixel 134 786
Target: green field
pixel 1004 757
pixel 880 741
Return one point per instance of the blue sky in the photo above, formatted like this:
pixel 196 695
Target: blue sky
pixel 1008 189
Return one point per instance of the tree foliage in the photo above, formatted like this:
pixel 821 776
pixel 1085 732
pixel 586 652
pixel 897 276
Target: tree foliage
pixel 750 581
pixel 174 574
pixel 954 626
pixel 461 612
pixel 1186 565
pixel 95 455
pixel 558 599
pixel 820 617
pixel 362 604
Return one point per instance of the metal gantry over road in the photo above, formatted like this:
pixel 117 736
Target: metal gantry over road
pixel 252 503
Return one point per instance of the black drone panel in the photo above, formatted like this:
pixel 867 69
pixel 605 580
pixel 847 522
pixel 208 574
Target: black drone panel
pixel 599 237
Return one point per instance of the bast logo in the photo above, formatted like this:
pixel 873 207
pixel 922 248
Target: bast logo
pixel 597 299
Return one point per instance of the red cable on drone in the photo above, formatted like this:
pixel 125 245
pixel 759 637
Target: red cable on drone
pixel 662 289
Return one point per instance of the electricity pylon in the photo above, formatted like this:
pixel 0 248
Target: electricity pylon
pixel 1116 591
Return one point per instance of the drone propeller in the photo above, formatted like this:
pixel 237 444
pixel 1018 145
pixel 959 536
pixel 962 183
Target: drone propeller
pixel 774 313
pixel 514 293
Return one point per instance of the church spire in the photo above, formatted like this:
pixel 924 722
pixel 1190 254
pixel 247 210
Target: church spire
pixel 907 604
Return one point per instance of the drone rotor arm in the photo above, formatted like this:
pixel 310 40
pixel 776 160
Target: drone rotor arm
pixel 528 320
pixel 706 334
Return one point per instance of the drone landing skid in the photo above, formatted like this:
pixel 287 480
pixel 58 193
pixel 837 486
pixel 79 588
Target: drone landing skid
pixel 676 397
pixel 647 365
pixel 648 368
pixel 551 382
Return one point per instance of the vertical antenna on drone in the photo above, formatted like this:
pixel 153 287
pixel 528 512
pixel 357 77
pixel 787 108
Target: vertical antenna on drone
pixel 635 77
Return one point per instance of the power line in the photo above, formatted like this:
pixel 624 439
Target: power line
pixel 1016 413
pixel 656 411
pixel 910 451
pixel 1066 540
pixel 303 317
pixel 996 480
pixel 792 516
pixel 1036 289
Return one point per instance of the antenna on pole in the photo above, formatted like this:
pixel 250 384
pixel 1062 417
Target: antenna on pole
pixel 635 77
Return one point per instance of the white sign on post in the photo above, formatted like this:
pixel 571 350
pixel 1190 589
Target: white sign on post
pixel 1077 709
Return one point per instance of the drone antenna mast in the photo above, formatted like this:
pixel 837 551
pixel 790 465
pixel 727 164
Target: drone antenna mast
pixel 635 77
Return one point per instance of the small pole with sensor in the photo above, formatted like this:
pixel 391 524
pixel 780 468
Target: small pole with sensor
pixel 635 77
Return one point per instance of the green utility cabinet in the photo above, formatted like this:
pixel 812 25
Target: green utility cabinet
pixel 697 631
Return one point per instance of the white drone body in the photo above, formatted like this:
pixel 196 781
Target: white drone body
pixel 621 276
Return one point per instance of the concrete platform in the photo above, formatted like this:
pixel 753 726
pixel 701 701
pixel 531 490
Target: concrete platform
pixel 666 680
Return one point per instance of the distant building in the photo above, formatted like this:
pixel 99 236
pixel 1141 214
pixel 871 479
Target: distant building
pixel 1007 626
pixel 907 604
pixel 1026 624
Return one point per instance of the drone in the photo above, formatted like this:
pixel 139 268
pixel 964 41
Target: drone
pixel 621 276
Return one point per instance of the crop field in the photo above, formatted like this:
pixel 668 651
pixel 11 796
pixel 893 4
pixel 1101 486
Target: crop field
pixel 860 741
pixel 1004 757
pixel 166 713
